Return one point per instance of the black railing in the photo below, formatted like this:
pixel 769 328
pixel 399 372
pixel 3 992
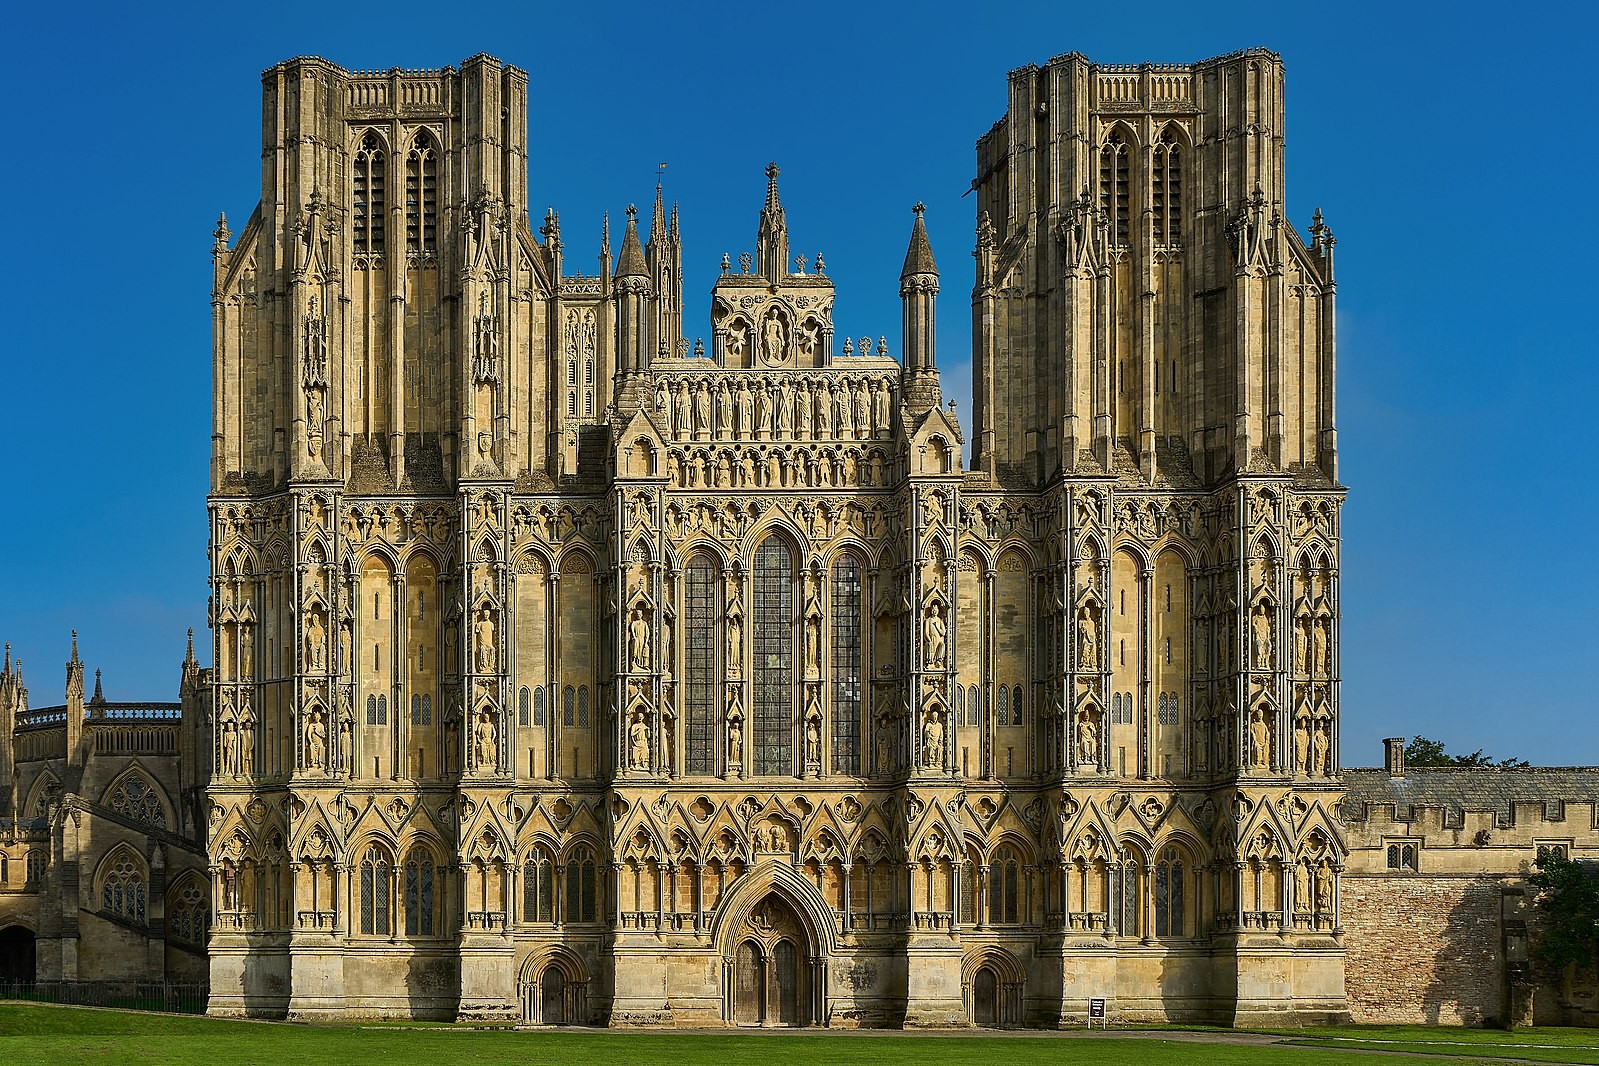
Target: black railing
pixel 172 997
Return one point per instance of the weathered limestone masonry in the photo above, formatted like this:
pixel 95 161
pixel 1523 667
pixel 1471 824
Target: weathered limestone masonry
pixel 102 854
pixel 1439 918
pixel 571 670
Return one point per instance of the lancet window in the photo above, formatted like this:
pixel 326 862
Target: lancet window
pixel 421 197
pixel 1166 189
pixel 1005 880
pixel 538 887
pixel 419 910
pixel 773 673
pixel 580 886
pixel 1115 187
pixel 377 893
pixel 368 202
pixel 699 665
pixel 846 665
pixel 1170 912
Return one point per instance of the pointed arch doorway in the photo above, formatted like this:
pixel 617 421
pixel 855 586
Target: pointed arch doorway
pixel 774 967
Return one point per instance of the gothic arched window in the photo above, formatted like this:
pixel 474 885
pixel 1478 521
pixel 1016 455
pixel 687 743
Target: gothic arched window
pixel 1170 914
pixel 1166 189
pixel 1003 717
pixel 538 706
pixel 580 885
pixel 122 893
pixel 1016 706
pixel 974 706
pixel 136 798
pixel 377 892
pixel 421 196
pixel 524 707
pixel 419 872
pixel 367 203
pixel 1125 893
pixel 772 625
pixel 583 707
pixel 1115 187
pixel 538 887
pixel 188 917
pixel 846 665
pixel 1004 888
pixel 699 665
pixel 569 706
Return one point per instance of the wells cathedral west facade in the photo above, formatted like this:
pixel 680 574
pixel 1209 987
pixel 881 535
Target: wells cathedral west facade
pixel 569 671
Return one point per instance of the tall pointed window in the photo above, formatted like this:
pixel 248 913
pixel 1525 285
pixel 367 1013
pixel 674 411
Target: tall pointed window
pixel 368 201
pixel 1170 913
pixel 538 887
pixel 699 665
pixel 846 665
pixel 377 893
pixel 772 626
pixel 1115 187
pixel 421 197
pixel 1166 189
pixel 580 886
pixel 419 894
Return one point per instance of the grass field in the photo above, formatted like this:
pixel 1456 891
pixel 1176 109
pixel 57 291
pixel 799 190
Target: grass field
pixel 35 1035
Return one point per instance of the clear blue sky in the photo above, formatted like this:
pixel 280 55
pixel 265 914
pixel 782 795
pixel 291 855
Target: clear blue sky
pixel 1453 150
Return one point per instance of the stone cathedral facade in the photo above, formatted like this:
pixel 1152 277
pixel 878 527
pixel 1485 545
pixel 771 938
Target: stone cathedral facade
pixel 567 670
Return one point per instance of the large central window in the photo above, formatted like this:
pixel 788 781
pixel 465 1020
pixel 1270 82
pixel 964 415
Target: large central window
pixel 773 665
pixel 846 665
pixel 699 665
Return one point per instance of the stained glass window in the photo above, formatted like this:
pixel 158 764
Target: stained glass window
pixel 773 661
pixel 699 665
pixel 846 665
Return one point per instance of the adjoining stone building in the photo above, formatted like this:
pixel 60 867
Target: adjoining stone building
pixel 102 836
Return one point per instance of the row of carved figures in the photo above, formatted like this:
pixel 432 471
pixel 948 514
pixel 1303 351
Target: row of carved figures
pixel 747 408
pixel 774 468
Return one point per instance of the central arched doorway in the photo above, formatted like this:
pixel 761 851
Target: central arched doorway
pixel 771 968
pixel 18 957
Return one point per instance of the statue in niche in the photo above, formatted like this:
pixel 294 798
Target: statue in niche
pixel 1301 887
pixel 483 633
pixel 824 410
pixel 1302 744
pixel 685 412
pixel 316 641
pixel 638 743
pixel 1324 747
pixel 1087 740
pixel 880 401
pixel 933 741
pixel 773 348
pixel 802 412
pixel 316 742
pixel 813 738
pixel 863 412
pixel 784 409
pixel 1198 750
pixel 230 749
pixel 932 510
pixel 735 640
pixel 246 653
pixel 702 411
pixel 735 739
pixel 774 470
pixel 846 426
pixel 247 744
pixel 314 414
pixel 883 744
pixel 674 469
pixel 877 468
pixel 487 741
pixel 771 399
pixel 735 341
pixel 851 468
pixel 935 632
pixel 1259 741
pixel 1323 890
pixel 724 411
pixel 1303 624
pixel 663 407
pixel 1087 640
pixel 666 646
pixel 1321 655
pixel 638 640
pixel 669 743
pixel 763 413
pixel 346 742
pixel 1261 621
pixel 819 522
pixel 746 410
pixel 809 335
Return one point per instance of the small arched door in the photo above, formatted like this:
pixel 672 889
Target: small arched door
pixel 17 954
pixel 552 996
pixel 985 997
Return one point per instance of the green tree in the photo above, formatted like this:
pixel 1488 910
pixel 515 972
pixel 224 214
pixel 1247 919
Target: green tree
pixel 1421 752
pixel 1569 896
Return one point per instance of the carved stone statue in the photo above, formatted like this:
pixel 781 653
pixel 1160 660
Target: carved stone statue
pixel 746 411
pixel 483 633
pixel 1259 742
pixel 1324 891
pixel 1087 740
pixel 316 742
pixel 933 741
pixel 1087 641
pixel 702 412
pixel 1264 651
pixel 638 640
pixel 1302 897
pixel 735 745
pixel 935 632
pixel 230 749
pixel 813 740
pixel 1321 654
pixel 1302 745
pixel 638 743
pixel 773 349
pixel 316 641
pixel 247 744
pixel 487 741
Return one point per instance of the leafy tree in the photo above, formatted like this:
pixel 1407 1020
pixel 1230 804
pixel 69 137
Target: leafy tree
pixel 1421 752
pixel 1569 896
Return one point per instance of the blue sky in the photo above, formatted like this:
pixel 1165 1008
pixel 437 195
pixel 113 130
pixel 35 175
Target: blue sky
pixel 1449 146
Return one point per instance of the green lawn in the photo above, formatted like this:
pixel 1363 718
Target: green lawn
pixel 34 1035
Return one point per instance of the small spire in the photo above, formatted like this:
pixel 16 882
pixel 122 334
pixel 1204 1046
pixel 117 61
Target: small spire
pixel 919 257
pixel 7 670
pixel 771 239
pixel 658 215
pixel 99 696
pixel 221 233
pixel 74 646
pixel 672 229
pixel 631 263
pixel 188 656
pixel 772 171
pixel 605 236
